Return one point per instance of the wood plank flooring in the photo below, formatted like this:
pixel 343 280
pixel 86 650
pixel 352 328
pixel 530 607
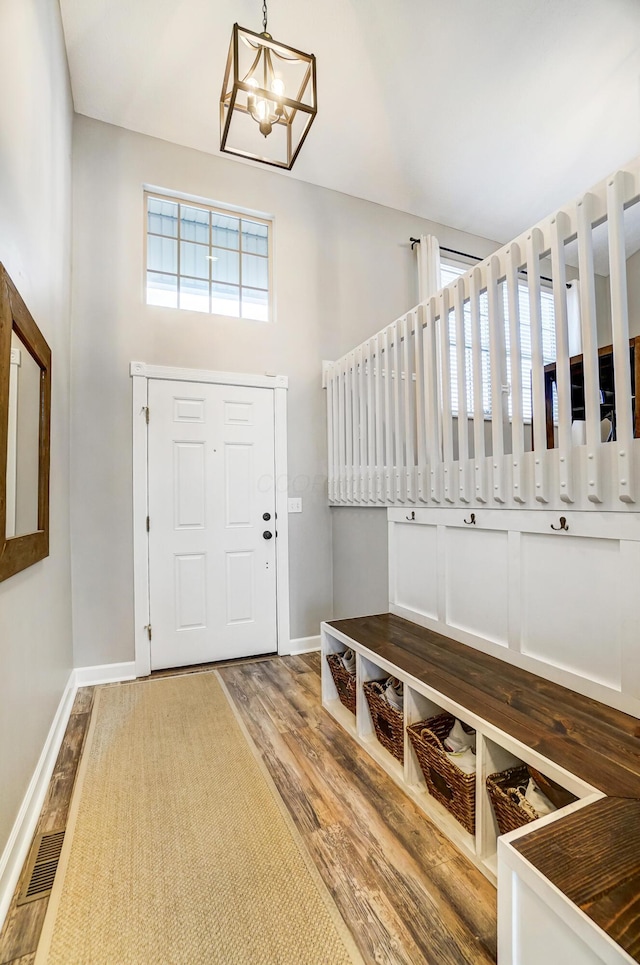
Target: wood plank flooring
pixel 23 924
pixel 409 897
pixel 407 894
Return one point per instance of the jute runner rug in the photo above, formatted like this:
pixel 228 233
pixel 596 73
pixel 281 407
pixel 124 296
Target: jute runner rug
pixel 179 848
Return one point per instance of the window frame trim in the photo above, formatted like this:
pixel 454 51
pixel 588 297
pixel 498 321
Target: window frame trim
pixel 243 214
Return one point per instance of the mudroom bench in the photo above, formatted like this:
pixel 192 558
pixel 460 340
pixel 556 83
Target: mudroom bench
pixel 569 882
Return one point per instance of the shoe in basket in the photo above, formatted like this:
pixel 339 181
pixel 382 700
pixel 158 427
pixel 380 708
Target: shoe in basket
pixel 394 693
pixel 465 760
pixel 538 801
pixel 349 661
pixel 458 740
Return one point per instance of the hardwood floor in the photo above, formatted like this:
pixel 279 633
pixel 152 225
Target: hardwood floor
pixel 409 897
pixel 23 924
pixel 407 894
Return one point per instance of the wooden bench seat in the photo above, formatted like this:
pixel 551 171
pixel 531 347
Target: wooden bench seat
pixel 592 855
pixel 597 743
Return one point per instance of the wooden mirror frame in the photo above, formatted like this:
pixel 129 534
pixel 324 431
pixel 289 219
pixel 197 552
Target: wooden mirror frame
pixel 19 552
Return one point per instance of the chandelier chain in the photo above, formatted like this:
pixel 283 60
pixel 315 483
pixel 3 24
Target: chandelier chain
pixel 264 15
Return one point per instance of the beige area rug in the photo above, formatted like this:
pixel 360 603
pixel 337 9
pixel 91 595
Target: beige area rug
pixel 179 848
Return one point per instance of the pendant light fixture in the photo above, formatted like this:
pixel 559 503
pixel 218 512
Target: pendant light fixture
pixel 268 99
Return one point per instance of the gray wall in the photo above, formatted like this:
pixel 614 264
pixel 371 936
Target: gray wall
pixel 343 270
pixel 35 218
pixel 360 561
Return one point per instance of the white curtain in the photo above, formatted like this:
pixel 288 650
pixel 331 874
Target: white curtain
pixel 428 267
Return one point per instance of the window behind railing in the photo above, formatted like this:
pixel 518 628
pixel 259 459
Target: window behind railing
pixel 448 273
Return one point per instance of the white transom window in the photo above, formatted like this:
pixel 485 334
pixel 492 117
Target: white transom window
pixel 207 259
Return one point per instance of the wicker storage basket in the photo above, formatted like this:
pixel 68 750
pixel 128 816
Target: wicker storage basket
pixel 558 795
pixel 454 789
pixel 387 721
pixel 345 682
pixel 510 812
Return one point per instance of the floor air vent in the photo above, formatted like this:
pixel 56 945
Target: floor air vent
pixel 42 866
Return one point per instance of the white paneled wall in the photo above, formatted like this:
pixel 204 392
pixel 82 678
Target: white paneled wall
pixel 395 436
pixel 560 603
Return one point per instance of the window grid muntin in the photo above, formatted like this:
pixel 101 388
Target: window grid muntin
pixel 239 287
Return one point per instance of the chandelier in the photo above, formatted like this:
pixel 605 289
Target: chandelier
pixel 268 99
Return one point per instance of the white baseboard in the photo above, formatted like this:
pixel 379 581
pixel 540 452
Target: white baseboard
pixel 17 848
pixel 304 645
pixel 107 673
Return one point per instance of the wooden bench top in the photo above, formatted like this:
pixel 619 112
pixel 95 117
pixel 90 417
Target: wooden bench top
pixel 591 855
pixel 597 743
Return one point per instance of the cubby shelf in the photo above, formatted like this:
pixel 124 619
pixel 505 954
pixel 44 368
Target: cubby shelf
pixel 495 750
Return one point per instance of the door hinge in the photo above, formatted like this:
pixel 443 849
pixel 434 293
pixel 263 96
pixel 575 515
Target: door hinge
pixel 148 629
pixel 148 524
pixel 146 413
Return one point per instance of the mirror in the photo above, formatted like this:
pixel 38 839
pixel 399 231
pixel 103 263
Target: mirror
pixel 25 406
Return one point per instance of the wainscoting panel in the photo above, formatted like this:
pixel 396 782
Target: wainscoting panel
pixel 413 567
pixel 576 579
pixel 476 577
pixel 556 598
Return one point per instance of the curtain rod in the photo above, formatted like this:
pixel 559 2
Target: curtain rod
pixel 464 254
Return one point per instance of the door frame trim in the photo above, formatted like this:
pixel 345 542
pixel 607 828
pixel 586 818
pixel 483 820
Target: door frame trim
pixel 140 375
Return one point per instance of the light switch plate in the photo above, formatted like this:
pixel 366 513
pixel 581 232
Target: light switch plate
pixel 295 505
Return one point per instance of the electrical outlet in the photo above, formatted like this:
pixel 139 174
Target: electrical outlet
pixel 295 505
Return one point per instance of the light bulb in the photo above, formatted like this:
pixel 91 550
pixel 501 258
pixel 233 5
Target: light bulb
pixel 261 110
pixel 277 86
pixel 251 97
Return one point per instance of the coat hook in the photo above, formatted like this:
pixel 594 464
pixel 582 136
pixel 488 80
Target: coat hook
pixel 472 521
pixel 413 515
pixel 563 524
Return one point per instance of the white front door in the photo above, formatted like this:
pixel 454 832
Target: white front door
pixel 212 557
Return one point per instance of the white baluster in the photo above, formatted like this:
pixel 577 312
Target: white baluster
pixel 342 432
pixel 463 417
pixel 590 347
pixel 498 377
pixel 418 343
pixel 432 397
pixel 479 450
pixel 388 416
pixel 349 425
pixel 379 413
pixel 362 427
pixel 371 458
pixel 408 325
pixel 450 482
pixel 400 488
pixel 534 250
pixel 515 350
pixel 559 232
pixel 620 330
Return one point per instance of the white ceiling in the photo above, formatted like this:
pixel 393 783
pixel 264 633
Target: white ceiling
pixel 481 114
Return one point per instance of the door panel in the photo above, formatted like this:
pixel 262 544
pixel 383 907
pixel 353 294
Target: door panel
pixel 189 484
pixel 211 478
pixel 191 591
pixel 239 484
pixel 240 584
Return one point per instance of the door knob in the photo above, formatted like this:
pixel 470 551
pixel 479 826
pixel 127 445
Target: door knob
pixel 267 534
pixel 266 517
